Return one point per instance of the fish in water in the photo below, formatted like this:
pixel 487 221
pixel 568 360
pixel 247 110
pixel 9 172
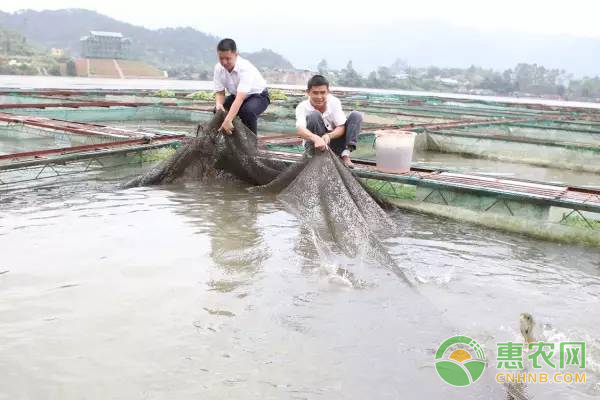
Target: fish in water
pixel 518 390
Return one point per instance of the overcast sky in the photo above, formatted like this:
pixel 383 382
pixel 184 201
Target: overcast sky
pixel 375 32
pixel 222 18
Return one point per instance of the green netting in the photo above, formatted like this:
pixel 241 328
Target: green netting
pixel 64 169
pixel 98 114
pixel 287 148
pixel 394 190
pixel 440 106
pixel 550 154
pixel 20 99
pixel 146 113
pixel 534 132
pixel 19 138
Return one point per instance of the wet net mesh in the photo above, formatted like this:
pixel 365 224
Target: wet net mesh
pixel 342 213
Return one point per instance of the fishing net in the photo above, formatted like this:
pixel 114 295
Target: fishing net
pixel 341 212
pixel 212 154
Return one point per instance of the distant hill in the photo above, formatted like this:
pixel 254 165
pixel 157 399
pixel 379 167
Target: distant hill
pixel 15 44
pixel 268 59
pixel 167 47
pixel 18 56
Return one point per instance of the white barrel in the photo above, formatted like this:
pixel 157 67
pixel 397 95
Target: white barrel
pixel 394 150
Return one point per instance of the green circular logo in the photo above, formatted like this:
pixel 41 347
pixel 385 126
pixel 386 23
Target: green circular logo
pixel 460 361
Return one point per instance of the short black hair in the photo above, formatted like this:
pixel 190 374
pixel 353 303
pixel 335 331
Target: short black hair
pixel 317 80
pixel 227 45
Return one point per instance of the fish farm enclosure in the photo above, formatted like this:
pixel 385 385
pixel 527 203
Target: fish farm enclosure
pixel 526 168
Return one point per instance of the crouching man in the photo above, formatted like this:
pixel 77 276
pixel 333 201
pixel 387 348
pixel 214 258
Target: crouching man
pixel 321 122
pixel 248 94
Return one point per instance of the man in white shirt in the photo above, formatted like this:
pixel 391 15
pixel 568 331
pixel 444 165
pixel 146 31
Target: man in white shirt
pixel 321 122
pixel 248 95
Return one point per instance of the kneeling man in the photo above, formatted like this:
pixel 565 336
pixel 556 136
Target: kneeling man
pixel 321 122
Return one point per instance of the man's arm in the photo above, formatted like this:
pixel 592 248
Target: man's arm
pixel 339 119
pixel 219 100
pixel 326 138
pixel 227 124
pixel 242 91
pixel 339 131
pixel 304 133
pixel 235 107
pixel 219 89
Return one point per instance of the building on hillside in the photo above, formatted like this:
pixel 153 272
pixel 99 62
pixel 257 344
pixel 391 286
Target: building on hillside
pixel 105 45
pixel 57 52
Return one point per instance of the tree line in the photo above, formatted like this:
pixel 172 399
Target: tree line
pixel 522 80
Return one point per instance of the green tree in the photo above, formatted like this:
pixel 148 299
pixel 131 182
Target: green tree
pixel 54 70
pixel 433 72
pixel 524 76
pixel 349 77
pixel 372 81
pixel 386 78
pixel 323 67
pixel 399 66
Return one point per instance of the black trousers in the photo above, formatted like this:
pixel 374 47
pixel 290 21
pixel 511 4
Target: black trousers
pixel 315 124
pixel 252 107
